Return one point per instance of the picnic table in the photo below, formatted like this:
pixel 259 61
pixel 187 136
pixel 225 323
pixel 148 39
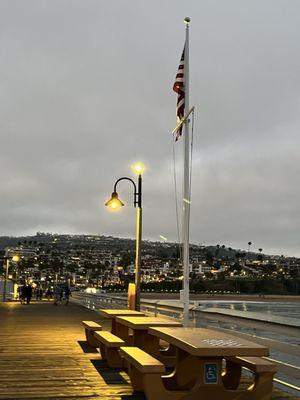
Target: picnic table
pixel 113 313
pixel 198 365
pixel 204 342
pixel 139 327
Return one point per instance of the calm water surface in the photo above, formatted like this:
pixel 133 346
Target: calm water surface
pixel 278 309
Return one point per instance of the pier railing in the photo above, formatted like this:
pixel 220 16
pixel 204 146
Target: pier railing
pixel 280 338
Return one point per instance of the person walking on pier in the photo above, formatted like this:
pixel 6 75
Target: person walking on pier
pixel 67 294
pixel 49 293
pixel 39 293
pixel 58 292
pixel 36 293
pixel 28 293
pixel 22 294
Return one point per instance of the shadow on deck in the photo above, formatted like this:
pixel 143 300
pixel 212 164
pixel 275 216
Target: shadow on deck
pixel 43 355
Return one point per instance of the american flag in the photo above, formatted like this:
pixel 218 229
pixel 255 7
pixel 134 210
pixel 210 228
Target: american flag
pixel 178 87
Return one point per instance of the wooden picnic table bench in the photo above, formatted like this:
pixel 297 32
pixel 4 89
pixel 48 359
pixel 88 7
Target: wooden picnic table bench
pixel 115 312
pixel 109 345
pixel 140 364
pixel 198 369
pixel 262 369
pixel 90 327
pixel 139 327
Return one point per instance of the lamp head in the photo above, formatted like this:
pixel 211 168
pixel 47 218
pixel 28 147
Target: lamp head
pixel 138 168
pixel 114 202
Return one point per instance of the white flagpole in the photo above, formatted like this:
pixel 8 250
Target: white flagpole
pixel 186 186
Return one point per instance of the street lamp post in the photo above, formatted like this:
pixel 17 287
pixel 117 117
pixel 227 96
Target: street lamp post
pixel 114 202
pixel 16 259
pixel 5 279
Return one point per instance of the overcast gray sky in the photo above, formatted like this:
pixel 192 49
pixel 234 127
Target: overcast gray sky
pixel 86 89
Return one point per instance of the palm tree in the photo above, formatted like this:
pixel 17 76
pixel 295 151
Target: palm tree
pixel 260 256
pixel 249 245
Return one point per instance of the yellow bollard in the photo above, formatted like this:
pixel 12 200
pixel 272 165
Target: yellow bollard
pixel 131 296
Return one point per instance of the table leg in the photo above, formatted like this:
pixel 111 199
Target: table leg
pixel 186 370
pixel 113 326
pixel 200 377
pixel 139 338
pixel 122 332
pixel 232 375
pixel 151 345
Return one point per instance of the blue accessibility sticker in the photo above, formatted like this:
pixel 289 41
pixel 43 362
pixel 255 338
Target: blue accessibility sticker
pixel 211 373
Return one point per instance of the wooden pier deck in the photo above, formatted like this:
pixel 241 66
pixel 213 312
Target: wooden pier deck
pixel 43 355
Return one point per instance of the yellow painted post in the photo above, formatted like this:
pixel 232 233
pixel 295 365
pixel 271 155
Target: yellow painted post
pixel 138 257
pixel 131 296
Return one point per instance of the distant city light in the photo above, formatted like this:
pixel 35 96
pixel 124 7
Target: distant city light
pixel 91 290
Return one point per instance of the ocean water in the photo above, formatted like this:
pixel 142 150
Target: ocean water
pixel 289 312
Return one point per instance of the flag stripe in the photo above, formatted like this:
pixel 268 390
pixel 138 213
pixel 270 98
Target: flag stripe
pixel 178 88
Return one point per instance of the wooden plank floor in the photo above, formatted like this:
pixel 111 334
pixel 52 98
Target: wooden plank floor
pixel 43 355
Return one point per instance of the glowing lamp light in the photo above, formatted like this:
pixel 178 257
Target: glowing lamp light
pixel 16 258
pixel 138 168
pixel 114 202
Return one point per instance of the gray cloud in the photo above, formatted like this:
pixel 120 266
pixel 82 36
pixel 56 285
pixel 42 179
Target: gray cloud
pixel 86 90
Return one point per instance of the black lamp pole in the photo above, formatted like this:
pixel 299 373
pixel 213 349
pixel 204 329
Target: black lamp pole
pixel 137 202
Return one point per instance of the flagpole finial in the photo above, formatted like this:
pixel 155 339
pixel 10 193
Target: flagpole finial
pixel 187 20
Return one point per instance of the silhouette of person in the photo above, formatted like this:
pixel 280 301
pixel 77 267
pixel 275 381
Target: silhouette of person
pixel 28 293
pixel 67 294
pixel 23 294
